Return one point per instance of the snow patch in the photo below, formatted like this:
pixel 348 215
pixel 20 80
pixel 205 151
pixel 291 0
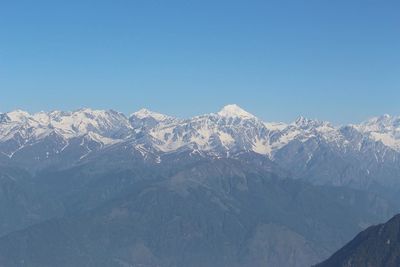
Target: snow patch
pixel 145 113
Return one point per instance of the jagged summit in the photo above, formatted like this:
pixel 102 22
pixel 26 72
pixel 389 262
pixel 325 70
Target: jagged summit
pixel 301 120
pixel 18 115
pixel 385 120
pixel 306 122
pixel 146 113
pixel 234 110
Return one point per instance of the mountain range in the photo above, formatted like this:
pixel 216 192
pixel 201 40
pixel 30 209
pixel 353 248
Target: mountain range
pixel 98 188
pixel 365 155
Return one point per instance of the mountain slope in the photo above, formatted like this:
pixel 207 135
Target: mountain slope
pixel 211 213
pixel 376 246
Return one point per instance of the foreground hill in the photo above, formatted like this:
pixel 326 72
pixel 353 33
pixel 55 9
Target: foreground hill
pixel 376 246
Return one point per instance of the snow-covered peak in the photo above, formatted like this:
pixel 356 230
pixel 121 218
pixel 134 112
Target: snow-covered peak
pixel 234 110
pixel 381 123
pixel 32 127
pixel 41 117
pixel 18 115
pixel 145 113
pixel 385 129
pixel 384 119
pixel 105 122
pixel 303 122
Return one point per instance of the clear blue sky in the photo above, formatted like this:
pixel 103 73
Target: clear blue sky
pixel 334 60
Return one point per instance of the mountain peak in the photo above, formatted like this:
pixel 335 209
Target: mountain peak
pixel 18 115
pixel 234 110
pixel 303 121
pixel 145 113
pixel 385 118
pixel 381 123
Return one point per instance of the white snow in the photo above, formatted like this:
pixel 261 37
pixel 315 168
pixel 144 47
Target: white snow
pixel 275 126
pixel 234 110
pixel 18 115
pixel 226 139
pixel 387 139
pixel 261 147
pixel 102 139
pixel 145 113
pixel 385 129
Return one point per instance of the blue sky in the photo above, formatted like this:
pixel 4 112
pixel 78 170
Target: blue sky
pixel 333 60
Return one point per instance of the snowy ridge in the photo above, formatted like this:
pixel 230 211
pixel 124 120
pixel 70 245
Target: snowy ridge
pixel 230 131
pixel 67 124
pixel 385 129
pixel 55 131
pixel 145 113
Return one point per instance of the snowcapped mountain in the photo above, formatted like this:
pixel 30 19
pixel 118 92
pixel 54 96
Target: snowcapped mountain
pixel 346 154
pixel 384 128
pixel 109 124
pixel 37 140
pixel 234 111
pixel 148 114
pixel 229 131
